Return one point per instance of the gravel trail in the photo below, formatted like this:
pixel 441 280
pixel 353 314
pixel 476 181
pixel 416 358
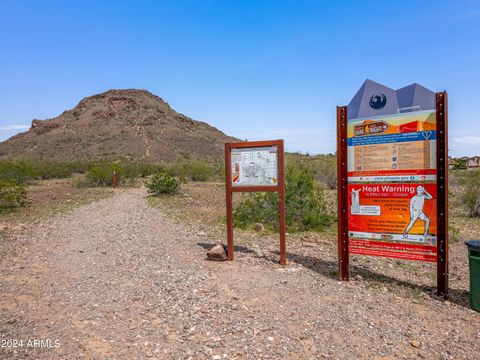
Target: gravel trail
pixel 117 279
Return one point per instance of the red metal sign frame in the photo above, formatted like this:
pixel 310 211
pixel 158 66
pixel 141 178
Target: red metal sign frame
pixel 442 193
pixel 280 188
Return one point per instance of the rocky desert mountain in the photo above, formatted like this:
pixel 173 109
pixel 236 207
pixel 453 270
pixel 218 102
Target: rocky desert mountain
pixel 118 124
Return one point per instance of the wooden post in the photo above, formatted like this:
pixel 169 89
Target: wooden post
pixel 281 203
pixel 442 193
pixel 229 201
pixel 342 193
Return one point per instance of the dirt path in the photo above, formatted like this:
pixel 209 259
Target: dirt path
pixel 118 279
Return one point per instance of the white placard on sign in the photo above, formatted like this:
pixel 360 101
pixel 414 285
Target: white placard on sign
pixel 255 166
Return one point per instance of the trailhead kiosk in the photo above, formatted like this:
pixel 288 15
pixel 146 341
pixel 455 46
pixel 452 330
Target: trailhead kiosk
pixel 255 166
pixel 393 177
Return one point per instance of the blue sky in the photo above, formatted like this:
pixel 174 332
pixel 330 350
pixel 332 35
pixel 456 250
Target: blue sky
pixel 254 69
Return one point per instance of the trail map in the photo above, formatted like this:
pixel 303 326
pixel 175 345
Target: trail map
pixel 255 166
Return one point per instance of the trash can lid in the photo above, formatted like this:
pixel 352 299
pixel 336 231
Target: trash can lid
pixel 473 244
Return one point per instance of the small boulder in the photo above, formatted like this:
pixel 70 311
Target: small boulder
pixel 217 253
pixel 415 343
pixel 259 227
pixel 308 241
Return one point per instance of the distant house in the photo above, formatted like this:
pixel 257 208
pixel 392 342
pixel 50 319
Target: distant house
pixel 473 162
pixel 464 162
pixel 452 163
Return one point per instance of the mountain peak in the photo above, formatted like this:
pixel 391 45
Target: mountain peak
pixel 119 123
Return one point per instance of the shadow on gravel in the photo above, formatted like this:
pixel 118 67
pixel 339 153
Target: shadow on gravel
pixel 330 269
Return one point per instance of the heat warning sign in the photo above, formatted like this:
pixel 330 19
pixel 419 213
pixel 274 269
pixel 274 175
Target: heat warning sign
pixel 392 186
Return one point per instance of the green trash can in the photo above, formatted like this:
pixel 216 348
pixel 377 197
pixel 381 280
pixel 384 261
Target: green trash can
pixel 474 261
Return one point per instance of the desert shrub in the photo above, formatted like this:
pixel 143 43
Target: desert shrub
pixel 194 170
pixel 22 170
pixel 12 194
pixel 470 194
pixel 459 164
pixel 325 170
pixel 102 175
pixel 131 170
pixel 219 171
pixel 99 176
pixel 454 235
pixel 32 169
pixel 143 170
pixel 174 170
pixel 97 173
pixel 48 170
pixel 162 183
pixel 198 171
pixel 127 172
pixel 304 203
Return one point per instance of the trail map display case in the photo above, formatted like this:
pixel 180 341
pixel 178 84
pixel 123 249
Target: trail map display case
pixel 255 166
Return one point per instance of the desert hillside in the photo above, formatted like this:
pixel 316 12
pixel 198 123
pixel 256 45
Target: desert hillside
pixel 118 124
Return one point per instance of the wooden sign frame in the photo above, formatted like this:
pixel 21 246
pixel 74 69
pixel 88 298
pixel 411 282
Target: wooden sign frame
pixel 280 188
pixel 441 116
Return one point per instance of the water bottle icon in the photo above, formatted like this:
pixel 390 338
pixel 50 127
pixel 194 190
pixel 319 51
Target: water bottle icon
pixel 355 208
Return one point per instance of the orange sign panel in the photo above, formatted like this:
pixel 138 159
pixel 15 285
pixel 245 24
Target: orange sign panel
pixel 392 186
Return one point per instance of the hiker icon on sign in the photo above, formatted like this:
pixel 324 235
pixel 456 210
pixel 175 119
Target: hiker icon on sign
pixel 416 210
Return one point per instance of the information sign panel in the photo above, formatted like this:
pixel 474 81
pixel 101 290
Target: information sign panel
pixel 393 180
pixel 254 166
pixel 392 186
